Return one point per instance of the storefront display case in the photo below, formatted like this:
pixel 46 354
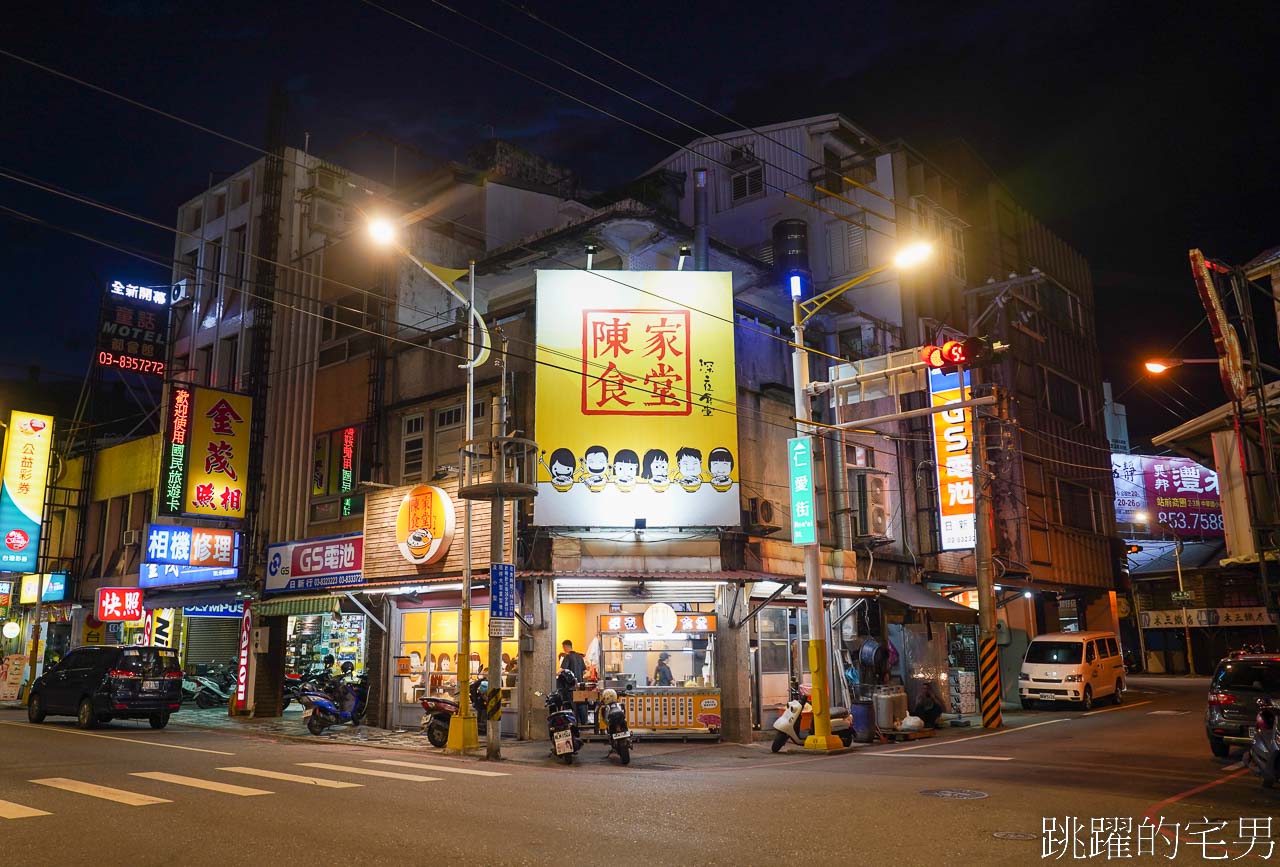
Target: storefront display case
pixel 312 637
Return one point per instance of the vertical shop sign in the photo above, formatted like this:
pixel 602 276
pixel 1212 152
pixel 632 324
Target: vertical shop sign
pixel 636 400
pixel 173 460
pixel 27 446
pixel 804 529
pixel 347 478
pixel 242 667
pixel 219 465
pixel 133 328
pixel 953 457
pixel 161 627
pixel 502 600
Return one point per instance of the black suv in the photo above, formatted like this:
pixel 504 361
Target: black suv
pixel 98 684
pixel 1241 679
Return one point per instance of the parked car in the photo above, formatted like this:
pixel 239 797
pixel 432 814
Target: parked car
pixel 101 683
pixel 1240 680
pixel 1077 667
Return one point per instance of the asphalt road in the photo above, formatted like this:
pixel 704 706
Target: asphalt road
pixel 128 795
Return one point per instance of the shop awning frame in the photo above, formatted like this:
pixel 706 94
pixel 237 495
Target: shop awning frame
pixel 922 599
pixel 298 606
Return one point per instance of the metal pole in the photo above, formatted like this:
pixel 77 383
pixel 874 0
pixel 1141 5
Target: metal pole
pixel 1186 627
pixel 497 513
pixel 1137 617
pixel 821 739
pixel 463 734
pixel 989 691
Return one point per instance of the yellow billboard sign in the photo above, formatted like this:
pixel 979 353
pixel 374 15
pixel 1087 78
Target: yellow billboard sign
pixel 218 454
pixel 636 404
pixel 28 442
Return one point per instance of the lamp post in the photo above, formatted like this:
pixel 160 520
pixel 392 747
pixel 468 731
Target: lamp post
pixel 801 312
pixel 463 731
pixel 1158 366
pixel 1144 518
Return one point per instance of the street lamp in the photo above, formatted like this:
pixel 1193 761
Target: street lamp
pixel 463 730
pixel 1144 518
pixel 801 312
pixel 1160 365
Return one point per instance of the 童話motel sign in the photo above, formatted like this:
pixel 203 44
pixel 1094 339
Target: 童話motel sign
pixel 804 529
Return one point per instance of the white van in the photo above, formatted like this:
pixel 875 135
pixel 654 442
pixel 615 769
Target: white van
pixel 1072 667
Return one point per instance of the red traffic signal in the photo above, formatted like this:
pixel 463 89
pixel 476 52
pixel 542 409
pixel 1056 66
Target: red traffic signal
pixel 932 356
pixel 970 352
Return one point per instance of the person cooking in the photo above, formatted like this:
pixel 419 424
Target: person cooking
pixel 662 673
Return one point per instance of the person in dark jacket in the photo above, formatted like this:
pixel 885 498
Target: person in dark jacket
pixel 662 673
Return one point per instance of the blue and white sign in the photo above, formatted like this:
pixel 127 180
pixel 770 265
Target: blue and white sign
pixel 55 587
pixel 502 590
pixel 804 527
pixel 214 609
pixel 168 575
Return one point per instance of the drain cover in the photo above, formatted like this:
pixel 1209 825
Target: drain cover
pixel 1014 835
pixel 955 794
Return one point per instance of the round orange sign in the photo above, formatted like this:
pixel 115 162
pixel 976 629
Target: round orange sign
pixel 424 525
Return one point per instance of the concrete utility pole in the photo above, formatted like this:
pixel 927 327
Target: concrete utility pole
pixel 989 691
pixel 497 550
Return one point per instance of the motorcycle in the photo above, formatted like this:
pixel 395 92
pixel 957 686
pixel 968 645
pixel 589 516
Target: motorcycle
pixel 789 727
pixel 349 703
pixel 1264 753
pixel 562 722
pixel 437 710
pixel 205 691
pixel 615 719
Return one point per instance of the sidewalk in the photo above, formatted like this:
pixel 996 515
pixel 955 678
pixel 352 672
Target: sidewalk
pixel 650 754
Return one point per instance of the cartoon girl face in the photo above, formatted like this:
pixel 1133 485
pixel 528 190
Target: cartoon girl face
pixel 624 472
pixel 658 469
pixel 560 473
pixel 720 469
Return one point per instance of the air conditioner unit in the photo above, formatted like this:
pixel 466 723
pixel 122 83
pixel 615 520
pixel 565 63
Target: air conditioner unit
pixel 130 538
pixel 765 516
pixel 326 217
pixel 875 516
pixel 181 294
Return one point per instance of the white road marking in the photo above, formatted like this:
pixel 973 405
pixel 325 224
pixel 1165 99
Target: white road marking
pixel 1167 712
pixel 370 772
pixel 120 796
pixel 442 768
pixel 197 783
pixel 1237 766
pixel 971 737
pixel 294 778
pixel 67 731
pixel 898 755
pixel 1116 707
pixel 10 810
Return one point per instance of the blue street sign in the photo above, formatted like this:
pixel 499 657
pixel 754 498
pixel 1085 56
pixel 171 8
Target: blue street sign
pixel 502 590
pixel 804 528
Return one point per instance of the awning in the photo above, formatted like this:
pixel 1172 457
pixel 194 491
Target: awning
pixel 915 596
pixel 157 599
pixel 297 606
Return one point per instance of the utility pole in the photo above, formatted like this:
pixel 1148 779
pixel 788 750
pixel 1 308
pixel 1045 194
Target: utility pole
pixel 989 691
pixel 497 549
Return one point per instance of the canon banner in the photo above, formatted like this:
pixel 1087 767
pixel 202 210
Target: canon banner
pixel 1177 495
pixel 27 445
pixel 636 399
pixel 314 564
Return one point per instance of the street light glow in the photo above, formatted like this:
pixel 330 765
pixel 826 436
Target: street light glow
pixel 1156 366
pixel 382 230
pixel 1141 517
pixel 913 254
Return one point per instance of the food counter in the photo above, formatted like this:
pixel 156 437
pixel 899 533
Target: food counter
pixel 666 711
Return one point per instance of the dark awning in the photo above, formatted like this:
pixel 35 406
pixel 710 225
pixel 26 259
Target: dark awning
pixel 915 596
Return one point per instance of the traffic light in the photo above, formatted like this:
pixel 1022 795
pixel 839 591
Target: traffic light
pixel 970 352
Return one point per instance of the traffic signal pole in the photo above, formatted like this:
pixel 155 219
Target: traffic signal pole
pixel 989 691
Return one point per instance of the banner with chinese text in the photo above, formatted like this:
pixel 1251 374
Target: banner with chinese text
pixel 205 462
pixel 1176 492
pixel 315 564
pixel 953 454
pixel 636 405
pixel 27 445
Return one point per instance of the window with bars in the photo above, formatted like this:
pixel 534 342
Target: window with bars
pixel 1076 506
pixel 412 445
pixel 747 184
pixel 448 435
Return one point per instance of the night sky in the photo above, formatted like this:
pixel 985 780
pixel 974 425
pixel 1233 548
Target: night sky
pixel 1133 130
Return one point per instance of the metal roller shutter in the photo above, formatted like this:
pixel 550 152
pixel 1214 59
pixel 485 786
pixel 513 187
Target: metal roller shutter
pixel 212 640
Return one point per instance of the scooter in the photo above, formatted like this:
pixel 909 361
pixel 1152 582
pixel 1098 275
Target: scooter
pixel 615 719
pixel 789 726
pixel 562 722
pixel 1264 753
pixel 207 691
pixel 349 704
pixel 437 710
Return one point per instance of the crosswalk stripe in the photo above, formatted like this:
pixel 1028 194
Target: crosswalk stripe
pixel 197 783
pixel 10 810
pixel 120 796
pixel 294 778
pixel 370 772
pixel 442 768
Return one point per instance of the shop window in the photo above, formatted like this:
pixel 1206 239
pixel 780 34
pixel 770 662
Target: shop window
pixel 428 654
pixel 412 443
pixel 310 638
pixel 338 464
pixel 449 433
pixel 1075 506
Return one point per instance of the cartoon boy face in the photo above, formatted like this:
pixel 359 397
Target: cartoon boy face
pixel 597 462
pixel 690 466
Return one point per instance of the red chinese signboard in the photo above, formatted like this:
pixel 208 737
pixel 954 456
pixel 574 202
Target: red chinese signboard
pixel 1176 494
pixel 117 604
pixel 636 362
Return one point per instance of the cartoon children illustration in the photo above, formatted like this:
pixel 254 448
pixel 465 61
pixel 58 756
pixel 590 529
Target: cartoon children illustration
pixel 626 466
pixel 595 469
pixel 561 469
pixel 655 470
pixel 688 468
pixel 720 463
